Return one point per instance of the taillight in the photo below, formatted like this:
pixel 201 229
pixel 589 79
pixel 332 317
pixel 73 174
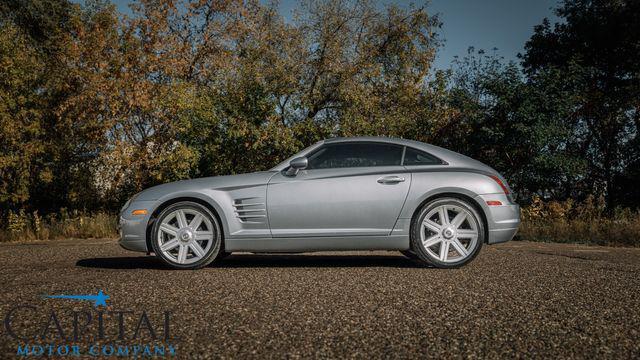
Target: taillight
pixel 502 185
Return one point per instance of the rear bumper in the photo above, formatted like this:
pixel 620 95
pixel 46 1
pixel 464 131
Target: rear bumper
pixel 502 220
pixel 501 235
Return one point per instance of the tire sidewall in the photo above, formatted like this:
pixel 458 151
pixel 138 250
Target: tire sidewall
pixel 213 251
pixel 416 242
pixel 409 254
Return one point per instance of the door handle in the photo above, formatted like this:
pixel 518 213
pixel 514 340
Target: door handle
pixel 390 179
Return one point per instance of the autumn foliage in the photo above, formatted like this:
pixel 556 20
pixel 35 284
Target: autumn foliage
pixel 96 105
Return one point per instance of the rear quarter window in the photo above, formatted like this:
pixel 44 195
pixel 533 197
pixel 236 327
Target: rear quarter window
pixel 417 157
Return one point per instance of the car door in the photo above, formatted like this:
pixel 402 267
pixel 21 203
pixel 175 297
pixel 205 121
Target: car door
pixel 347 189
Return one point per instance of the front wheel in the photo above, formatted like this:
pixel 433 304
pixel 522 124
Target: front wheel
pixel 447 233
pixel 186 236
pixel 409 254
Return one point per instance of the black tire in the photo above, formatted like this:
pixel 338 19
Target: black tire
pixel 409 254
pixel 420 250
pixel 211 253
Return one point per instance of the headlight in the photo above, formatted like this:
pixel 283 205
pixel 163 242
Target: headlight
pixel 126 205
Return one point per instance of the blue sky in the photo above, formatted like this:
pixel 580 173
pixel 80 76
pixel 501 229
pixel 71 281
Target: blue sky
pixel 488 24
pixel 502 24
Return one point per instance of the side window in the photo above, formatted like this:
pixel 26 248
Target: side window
pixel 416 157
pixel 355 155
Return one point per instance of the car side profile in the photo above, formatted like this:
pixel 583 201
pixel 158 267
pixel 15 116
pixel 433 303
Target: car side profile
pixel 365 193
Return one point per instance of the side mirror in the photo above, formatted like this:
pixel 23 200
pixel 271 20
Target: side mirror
pixel 297 164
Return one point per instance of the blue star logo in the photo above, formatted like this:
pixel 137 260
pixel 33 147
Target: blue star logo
pixel 98 300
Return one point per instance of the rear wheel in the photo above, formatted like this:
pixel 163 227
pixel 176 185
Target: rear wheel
pixel 447 233
pixel 186 236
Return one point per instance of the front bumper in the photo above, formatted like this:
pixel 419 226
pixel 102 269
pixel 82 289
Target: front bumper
pixel 502 220
pixel 132 228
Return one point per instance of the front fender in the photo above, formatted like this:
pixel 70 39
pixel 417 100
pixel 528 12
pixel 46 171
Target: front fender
pixel 208 197
pixel 229 204
pixel 133 229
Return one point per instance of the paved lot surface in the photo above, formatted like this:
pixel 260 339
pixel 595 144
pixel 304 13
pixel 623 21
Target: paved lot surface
pixel 523 299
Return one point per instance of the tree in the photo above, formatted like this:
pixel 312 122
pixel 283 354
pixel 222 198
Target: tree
pixel 517 124
pixel 21 109
pixel 99 105
pixel 339 68
pixel 598 42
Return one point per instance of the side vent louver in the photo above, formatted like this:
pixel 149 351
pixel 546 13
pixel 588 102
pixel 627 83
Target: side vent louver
pixel 250 210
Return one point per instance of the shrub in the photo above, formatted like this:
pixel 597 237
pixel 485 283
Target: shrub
pixel 585 222
pixel 567 221
pixel 23 226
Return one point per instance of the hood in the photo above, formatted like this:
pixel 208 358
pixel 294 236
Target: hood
pixel 228 182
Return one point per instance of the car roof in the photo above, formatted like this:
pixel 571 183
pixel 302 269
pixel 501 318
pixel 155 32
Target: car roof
pixel 383 139
pixel 437 151
pixel 452 158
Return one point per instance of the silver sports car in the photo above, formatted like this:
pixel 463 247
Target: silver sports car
pixel 366 193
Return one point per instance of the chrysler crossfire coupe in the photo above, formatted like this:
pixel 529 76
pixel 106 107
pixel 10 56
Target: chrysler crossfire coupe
pixel 368 193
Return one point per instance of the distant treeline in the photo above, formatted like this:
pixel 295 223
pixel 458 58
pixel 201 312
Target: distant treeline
pixel 96 105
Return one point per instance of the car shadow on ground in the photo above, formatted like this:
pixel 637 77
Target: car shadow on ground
pixel 260 260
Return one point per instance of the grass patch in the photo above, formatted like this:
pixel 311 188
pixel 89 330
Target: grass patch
pixel 586 223
pixel 23 226
pixel 609 232
pixel 563 222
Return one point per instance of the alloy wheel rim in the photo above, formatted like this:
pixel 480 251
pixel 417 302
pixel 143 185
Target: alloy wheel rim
pixel 185 236
pixel 449 233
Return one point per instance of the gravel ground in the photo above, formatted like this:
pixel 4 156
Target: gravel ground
pixel 516 299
